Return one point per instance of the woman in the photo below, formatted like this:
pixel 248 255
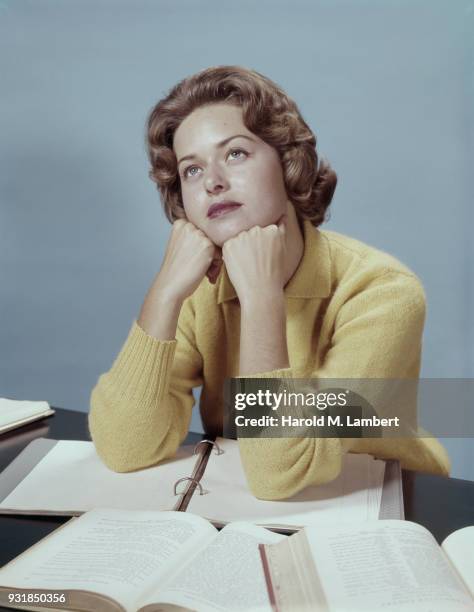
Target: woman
pixel 240 179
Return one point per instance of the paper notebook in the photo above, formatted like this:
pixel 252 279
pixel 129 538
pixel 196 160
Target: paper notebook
pixel 63 477
pixel 16 413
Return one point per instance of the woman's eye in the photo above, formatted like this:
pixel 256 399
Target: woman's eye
pixel 237 153
pixel 191 171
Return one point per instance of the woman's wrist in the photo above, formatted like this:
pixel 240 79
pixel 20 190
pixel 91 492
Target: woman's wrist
pixel 159 315
pixel 263 344
pixel 263 300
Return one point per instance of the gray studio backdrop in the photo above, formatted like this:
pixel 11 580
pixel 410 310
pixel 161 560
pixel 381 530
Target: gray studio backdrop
pixel 387 87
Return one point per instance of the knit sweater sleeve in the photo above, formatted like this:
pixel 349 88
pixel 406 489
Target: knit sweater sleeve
pixel 141 408
pixel 377 334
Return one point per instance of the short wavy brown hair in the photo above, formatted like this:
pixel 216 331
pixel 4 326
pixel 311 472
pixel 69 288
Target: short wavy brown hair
pixel 267 112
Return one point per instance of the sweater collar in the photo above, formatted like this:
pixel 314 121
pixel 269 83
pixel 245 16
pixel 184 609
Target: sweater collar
pixel 312 278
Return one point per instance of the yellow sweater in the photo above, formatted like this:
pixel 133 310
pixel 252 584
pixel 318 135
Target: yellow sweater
pixel 352 312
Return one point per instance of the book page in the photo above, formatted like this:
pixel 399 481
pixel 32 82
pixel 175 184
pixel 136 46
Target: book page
pixel 385 565
pixel 71 479
pixel 353 496
pixel 459 546
pixel 116 553
pixel 226 575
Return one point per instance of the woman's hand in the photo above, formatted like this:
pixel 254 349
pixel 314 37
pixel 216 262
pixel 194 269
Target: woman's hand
pixel 255 262
pixel 190 255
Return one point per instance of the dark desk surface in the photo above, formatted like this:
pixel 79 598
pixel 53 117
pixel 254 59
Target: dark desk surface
pixel 441 504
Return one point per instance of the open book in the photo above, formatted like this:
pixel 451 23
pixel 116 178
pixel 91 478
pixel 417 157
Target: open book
pixel 15 413
pixel 114 560
pixel 378 565
pixel 67 478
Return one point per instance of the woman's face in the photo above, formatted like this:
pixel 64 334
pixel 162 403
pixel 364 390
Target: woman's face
pixel 231 180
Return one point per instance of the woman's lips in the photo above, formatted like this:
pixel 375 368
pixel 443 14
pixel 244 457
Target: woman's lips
pixel 218 210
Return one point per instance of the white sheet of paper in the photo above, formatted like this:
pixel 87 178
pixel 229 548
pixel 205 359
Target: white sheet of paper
pixel 14 413
pixel 354 496
pixel 72 479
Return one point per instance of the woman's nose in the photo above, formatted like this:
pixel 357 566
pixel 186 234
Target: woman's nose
pixel 215 180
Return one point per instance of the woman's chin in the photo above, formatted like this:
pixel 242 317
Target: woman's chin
pixel 222 229
pixel 220 234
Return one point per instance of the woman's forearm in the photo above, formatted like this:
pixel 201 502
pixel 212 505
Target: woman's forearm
pixel 263 335
pixel 189 257
pixel 159 315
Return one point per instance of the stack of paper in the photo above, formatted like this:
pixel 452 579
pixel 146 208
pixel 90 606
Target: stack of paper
pixel 355 495
pixel 15 413
pixel 67 477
